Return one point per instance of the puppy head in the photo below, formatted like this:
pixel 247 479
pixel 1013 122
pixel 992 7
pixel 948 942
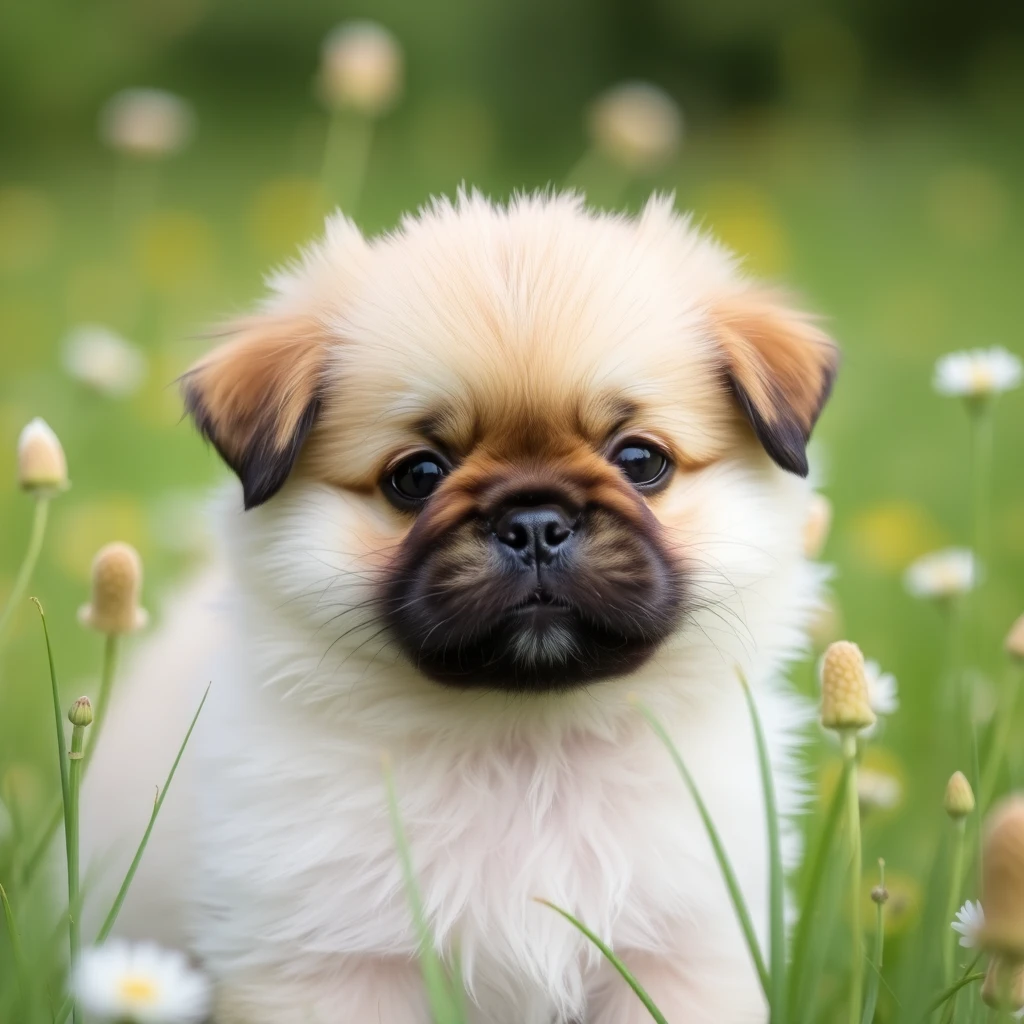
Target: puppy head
pixel 526 432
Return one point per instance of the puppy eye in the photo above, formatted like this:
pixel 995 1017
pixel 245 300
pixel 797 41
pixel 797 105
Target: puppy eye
pixel 414 479
pixel 643 463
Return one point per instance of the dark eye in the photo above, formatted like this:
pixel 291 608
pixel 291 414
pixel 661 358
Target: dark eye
pixel 414 479
pixel 644 463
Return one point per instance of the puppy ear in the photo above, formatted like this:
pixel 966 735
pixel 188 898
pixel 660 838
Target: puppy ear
pixel 780 367
pixel 256 397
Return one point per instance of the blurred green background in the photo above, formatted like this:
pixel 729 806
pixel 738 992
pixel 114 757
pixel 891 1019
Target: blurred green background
pixel 869 153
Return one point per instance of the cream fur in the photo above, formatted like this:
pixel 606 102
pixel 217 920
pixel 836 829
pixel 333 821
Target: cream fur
pixel 275 862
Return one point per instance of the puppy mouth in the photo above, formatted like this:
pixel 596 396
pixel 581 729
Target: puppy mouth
pixel 541 601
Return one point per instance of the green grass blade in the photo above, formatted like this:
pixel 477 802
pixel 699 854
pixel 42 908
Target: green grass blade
pixel 815 876
pixel 28 565
pixel 724 864
pixel 777 881
pixel 115 909
pixel 446 1003
pixel 627 976
pixel 17 952
pixel 968 978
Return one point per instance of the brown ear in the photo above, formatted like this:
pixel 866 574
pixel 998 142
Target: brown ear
pixel 255 398
pixel 780 367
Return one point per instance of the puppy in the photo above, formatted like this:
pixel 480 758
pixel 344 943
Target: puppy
pixel 503 468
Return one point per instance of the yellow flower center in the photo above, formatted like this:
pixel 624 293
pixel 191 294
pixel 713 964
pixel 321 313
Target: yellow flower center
pixel 981 379
pixel 138 990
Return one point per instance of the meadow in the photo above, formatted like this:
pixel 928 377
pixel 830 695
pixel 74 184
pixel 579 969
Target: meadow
pixel 898 221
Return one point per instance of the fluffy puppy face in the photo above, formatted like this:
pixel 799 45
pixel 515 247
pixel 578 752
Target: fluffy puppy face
pixel 522 416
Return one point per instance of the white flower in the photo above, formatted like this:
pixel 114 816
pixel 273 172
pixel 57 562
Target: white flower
pixel 42 466
pixel 361 67
pixel 637 125
pixel 970 919
pixel 978 373
pixel 103 360
pixel 946 573
pixel 878 790
pixel 146 122
pixel 883 691
pixel 140 983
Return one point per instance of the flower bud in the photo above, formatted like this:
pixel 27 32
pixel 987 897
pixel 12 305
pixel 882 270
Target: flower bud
pixel 879 894
pixel 1015 640
pixel 42 467
pixel 362 68
pixel 116 585
pixel 844 690
pixel 81 712
pixel 636 125
pixel 816 525
pixel 959 800
pixel 1002 880
pixel 1004 981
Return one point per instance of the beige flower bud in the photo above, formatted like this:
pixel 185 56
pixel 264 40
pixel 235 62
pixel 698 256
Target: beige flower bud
pixel 42 466
pixel 816 525
pixel 362 68
pixel 81 712
pixel 1002 880
pixel 147 123
pixel 844 689
pixel 959 800
pixel 636 125
pixel 1015 640
pixel 1002 977
pixel 116 585
pixel 879 894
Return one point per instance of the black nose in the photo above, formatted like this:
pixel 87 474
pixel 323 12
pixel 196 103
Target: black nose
pixel 537 530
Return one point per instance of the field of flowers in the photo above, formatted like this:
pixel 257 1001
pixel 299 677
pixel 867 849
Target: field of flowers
pixel 122 241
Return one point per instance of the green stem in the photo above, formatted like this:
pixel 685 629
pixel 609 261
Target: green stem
pixel 853 818
pixel 982 422
pixel 108 672
pixel 997 752
pixel 346 160
pixel 75 780
pixel 815 874
pixel 16 948
pixel 956 875
pixel 28 564
pixel 871 1001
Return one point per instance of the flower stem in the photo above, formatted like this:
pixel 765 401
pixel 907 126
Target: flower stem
pixel 956 873
pixel 75 764
pixel 997 751
pixel 876 978
pixel 28 565
pixel 346 159
pixel 107 674
pixel 853 818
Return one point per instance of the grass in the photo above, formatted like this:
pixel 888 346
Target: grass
pixel 901 226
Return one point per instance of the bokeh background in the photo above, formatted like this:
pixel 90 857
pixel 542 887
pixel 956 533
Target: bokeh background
pixel 868 152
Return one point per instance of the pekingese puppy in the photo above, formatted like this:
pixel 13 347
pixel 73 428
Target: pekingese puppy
pixel 502 468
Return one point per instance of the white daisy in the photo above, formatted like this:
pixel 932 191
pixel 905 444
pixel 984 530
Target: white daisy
pixel 978 373
pixel 883 694
pixel 103 360
pixel 636 125
pixel 146 122
pixel 141 983
pixel 942 574
pixel 361 67
pixel 970 919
